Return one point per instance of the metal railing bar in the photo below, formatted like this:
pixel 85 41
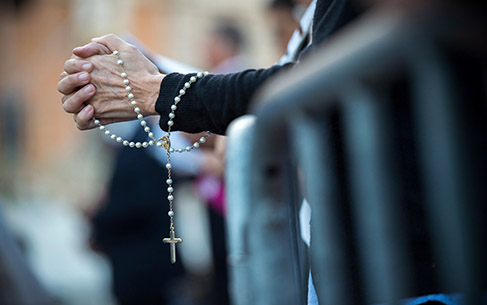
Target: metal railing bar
pixel 374 196
pixel 328 255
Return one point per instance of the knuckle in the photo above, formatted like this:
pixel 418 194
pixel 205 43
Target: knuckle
pixel 82 125
pixel 64 85
pixel 63 75
pixel 60 86
pixel 67 107
pixel 67 63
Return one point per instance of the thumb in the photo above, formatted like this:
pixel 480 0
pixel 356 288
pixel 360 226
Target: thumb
pixel 111 41
pixel 91 49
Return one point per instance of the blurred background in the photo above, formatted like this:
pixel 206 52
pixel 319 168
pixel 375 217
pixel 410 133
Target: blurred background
pixel 54 179
pixel 81 223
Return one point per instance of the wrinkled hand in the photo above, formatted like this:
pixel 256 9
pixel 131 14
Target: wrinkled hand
pixel 92 86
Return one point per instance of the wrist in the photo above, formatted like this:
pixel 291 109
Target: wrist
pixel 154 89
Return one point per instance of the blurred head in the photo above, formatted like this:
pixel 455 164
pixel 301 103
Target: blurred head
pixel 284 21
pixel 225 42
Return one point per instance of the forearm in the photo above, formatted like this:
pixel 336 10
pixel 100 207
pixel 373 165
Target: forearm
pixel 213 102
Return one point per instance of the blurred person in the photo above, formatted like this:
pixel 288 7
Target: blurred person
pixel 202 194
pixel 19 286
pixel 286 16
pixel 224 47
pixel 128 225
pixel 224 54
pixel 283 21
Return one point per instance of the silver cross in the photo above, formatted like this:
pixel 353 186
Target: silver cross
pixel 172 240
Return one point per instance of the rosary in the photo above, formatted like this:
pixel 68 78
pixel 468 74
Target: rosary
pixel 164 142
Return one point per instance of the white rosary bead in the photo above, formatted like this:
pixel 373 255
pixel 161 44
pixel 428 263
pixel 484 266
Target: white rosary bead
pixel 170 189
pixel 172 115
pixel 116 53
pixel 119 139
pixel 120 62
pixel 123 74
pixel 138 144
pixel 187 85
pixel 168 166
pixel 151 135
pixel 151 142
pixel 174 107
pixel 102 127
pixel 128 88
pixel 133 103
pixel 126 82
pixel 131 95
pixel 97 122
pixel 192 79
pixel 143 123
pixel 199 75
pixel 113 137
pixel 169 181
pixel 170 213
pixel 140 116
pixel 146 129
pixel 177 99
pixel 182 92
pixel 145 144
pixel 171 150
pixel 125 143
pixel 159 144
pixel 188 148
pixel 170 197
pixel 196 144
pixel 202 139
pixel 107 132
pixel 170 123
pixel 136 109
pixel 131 144
pixel 180 150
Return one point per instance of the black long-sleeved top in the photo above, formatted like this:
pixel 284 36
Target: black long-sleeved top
pixel 216 100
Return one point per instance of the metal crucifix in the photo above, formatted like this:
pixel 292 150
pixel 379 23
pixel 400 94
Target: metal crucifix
pixel 172 240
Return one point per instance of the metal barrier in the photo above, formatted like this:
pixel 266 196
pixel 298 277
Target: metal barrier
pixel 374 130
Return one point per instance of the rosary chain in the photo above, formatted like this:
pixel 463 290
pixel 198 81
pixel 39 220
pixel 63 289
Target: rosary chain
pixel 163 142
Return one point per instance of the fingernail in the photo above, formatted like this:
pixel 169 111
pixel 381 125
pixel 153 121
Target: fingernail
pixel 88 109
pixel 83 76
pixel 86 67
pixel 88 89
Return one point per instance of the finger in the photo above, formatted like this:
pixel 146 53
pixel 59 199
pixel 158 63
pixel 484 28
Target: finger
pixel 111 41
pixel 75 102
pixel 84 118
pixel 71 82
pixel 91 49
pixel 74 65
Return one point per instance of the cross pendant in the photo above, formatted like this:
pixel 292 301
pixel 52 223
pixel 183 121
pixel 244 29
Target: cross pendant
pixel 172 240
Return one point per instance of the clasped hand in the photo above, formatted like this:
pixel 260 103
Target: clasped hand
pixel 92 86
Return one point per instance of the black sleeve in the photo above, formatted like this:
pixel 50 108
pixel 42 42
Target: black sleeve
pixel 213 101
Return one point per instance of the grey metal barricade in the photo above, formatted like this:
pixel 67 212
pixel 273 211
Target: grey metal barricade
pixel 364 154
